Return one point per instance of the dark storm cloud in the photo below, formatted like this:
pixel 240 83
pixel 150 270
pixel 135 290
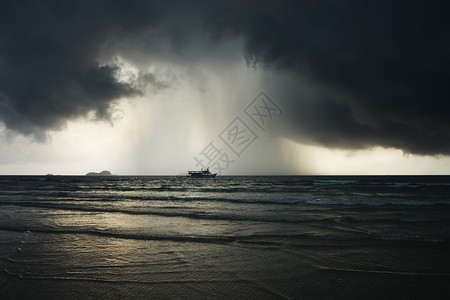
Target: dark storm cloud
pixel 379 69
pixel 385 65
pixel 56 58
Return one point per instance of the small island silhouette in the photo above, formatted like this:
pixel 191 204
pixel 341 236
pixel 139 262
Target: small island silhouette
pixel 102 173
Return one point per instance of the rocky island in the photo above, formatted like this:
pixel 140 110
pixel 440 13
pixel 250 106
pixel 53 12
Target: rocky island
pixel 102 173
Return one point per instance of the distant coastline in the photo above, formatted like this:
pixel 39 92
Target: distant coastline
pixel 102 173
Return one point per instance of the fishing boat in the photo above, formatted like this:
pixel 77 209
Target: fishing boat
pixel 201 174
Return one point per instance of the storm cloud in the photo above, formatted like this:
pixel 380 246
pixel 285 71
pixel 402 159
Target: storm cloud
pixel 378 70
pixel 57 59
pixel 383 68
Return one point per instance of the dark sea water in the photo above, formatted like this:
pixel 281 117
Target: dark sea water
pixel 301 237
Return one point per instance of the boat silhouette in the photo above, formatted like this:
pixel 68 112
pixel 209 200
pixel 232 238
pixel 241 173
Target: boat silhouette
pixel 201 174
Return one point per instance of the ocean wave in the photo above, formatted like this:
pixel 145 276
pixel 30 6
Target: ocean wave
pixel 257 238
pixel 382 219
pixel 120 281
pixel 282 201
pixel 446 184
pixel 180 238
pixel 410 238
pixel 163 198
pixel 333 182
pixel 138 211
pixel 384 272
pixel 81 197
pixel 406 184
pixel 401 184
pixel 377 202
pixel 294 239
pixel 418 219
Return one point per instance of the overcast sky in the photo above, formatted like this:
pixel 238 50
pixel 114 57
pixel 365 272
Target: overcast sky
pixel 148 87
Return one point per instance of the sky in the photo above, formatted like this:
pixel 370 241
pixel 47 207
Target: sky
pixel 244 87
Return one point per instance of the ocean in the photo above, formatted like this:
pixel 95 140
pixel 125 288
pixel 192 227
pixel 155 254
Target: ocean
pixel 230 237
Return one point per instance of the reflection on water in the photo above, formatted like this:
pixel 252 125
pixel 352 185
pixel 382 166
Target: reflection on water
pixel 256 237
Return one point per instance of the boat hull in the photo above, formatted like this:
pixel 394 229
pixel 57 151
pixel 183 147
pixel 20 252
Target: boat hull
pixel 201 175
